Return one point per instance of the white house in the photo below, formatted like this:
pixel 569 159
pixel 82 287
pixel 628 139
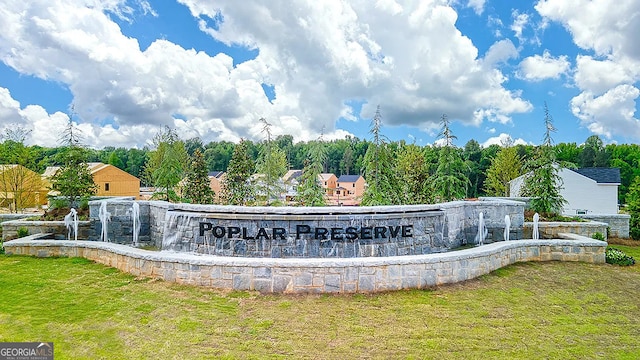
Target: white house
pixel 587 190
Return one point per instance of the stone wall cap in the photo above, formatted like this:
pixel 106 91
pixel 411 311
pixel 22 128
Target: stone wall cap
pixel 196 259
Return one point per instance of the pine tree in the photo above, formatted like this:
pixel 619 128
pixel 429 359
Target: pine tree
pixel 543 182
pixel 236 189
pixel 310 192
pixel 272 165
pixel 450 179
pixel 413 172
pixel 197 188
pixel 379 170
pixel 74 179
pixel 166 165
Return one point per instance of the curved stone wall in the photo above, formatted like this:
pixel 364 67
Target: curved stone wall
pixel 316 275
pixel 311 232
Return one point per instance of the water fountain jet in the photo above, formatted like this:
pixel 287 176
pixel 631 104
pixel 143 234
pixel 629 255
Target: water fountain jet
pixel 135 218
pixel 507 227
pixel 536 233
pixel 104 217
pixel 71 222
pixel 482 230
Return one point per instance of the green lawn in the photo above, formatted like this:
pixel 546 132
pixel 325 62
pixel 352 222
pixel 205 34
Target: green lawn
pixel 525 311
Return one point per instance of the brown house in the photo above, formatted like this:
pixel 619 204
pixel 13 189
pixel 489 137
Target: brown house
pixel 111 181
pixel 21 188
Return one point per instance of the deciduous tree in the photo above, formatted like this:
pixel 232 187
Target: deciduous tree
pixel 633 205
pixel 505 167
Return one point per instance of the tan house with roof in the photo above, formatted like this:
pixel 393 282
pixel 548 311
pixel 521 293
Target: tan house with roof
pixel 111 181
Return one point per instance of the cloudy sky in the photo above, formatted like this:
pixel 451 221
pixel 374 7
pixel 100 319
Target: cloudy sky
pixel 211 68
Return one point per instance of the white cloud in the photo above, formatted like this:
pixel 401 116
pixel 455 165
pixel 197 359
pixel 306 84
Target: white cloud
pixel 601 26
pixel 501 140
pixel 318 55
pixel 501 51
pixel 477 6
pixel 609 114
pixel 608 81
pixel 520 21
pixel 598 76
pixel 537 68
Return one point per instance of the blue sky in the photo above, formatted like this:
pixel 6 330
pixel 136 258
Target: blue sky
pixel 212 69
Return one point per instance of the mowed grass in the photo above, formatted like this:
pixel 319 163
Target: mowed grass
pixel 548 310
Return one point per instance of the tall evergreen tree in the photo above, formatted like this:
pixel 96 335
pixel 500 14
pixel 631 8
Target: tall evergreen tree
pixel 543 182
pixel 197 188
pixel 166 165
pixel 413 172
pixel 450 180
pixel 310 191
pixel 73 180
pixel 271 165
pixel 379 170
pixel 236 189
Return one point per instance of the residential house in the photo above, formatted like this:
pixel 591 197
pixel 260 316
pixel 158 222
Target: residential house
pixel 586 190
pixel 349 190
pixel 291 181
pixel 216 178
pixel 21 188
pixel 329 182
pixel 111 181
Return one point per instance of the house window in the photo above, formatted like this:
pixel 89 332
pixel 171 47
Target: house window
pixel 353 185
pixel 325 183
pixel 106 187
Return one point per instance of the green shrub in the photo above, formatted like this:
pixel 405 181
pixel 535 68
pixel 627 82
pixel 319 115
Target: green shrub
pixel 1 248
pixel 58 203
pixel 618 257
pixel 23 231
pixel 598 236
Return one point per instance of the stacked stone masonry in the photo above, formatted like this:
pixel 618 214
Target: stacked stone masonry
pixel 347 275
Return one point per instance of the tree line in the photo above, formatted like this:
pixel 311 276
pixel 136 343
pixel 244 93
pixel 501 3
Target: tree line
pixel 397 172
pixel 347 157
